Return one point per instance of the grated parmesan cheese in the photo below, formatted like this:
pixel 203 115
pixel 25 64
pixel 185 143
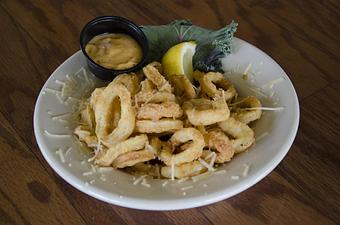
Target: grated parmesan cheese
pixel 246 71
pixel 88 173
pixel 61 155
pixel 246 170
pixel 92 181
pixel 145 184
pixel 211 164
pixel 235 177
pixel 172 168
pixel 182 180
pixel 271 84
pixel 139 179
pixel 262 136
pixel 205 164
pixel 56 135
pixel 186 188
pixel 165 183
pixel 184 193
pixel 266 108
pixel 105 169
pixel 102 178
pixel 68 151
pixel 220 172
pixel 201 176
pixel 258 92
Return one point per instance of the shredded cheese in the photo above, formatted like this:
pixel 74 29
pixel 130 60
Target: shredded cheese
pixel 235 177
pixel 56 135
pixel 186 188
pixel 246 170
pixel 182 180
pixel 205 185
pixel 145 184
pixel 105 169
pixel 92 181
pixel 205 164
pixel 246 71
pixel 184 193
pixel 172 168
pixel 266 108
pixel 139 179
pixel 61 155
pixel 220 172
pixel 88 173
pixel 201 176
pixel 212 161
pixel 68 151
pixel 165 183
pixel 271 84
pixel 258 92
pixel 262 136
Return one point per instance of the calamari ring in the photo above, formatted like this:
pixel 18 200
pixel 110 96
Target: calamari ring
pixel 152 73
pixel 95 95
pixel 184 170
pixel 206 112
pixel 192 150
pixel 84 134
pixel 152 111
pixel 106 157
pixel 154 97
pixel 103 115
pixel 182 86
pixel 159 126
pixel 147 86
pixel 132 158
pixel 130 81
pixel 212 82
pixel 243 135
pixel 87 116
pixel 245 115
pixel 217 140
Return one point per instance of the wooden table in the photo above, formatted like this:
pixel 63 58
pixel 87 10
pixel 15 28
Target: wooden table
pixel 303 36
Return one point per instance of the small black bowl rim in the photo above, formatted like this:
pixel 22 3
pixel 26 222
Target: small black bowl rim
pixel 124 20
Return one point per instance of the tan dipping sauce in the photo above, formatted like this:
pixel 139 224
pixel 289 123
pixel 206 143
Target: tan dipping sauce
pixel 114 51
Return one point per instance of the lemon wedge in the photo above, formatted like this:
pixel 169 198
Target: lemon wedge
pixel 178 59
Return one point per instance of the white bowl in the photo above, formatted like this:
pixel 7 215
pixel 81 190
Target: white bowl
pixel 277 128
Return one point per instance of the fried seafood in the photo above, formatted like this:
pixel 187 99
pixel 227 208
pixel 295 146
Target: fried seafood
pixel 152 73
pixel 130 81
pixel 182 86
pixel 218 141
pixel 204 112
pixel 215 84
pixel 158 126
pixel 242 134
pixel 184 170
pixel 243 110
pixel 154 97
pixel 106 157
pixel 192 150
pixel 132 158
pixel 166 128
pixel 103 114
pixel 152 111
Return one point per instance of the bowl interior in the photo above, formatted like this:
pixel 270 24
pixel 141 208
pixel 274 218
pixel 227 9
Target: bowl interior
pixel 277 128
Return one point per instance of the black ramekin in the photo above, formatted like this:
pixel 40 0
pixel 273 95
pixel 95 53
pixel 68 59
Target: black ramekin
pixel 112 24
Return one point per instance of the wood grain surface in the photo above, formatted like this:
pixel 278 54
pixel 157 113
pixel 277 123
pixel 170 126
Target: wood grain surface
pixel 303 36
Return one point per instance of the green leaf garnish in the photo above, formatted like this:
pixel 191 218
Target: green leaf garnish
pixel 211 45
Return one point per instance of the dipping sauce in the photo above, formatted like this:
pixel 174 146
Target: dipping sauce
pixel 114 51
